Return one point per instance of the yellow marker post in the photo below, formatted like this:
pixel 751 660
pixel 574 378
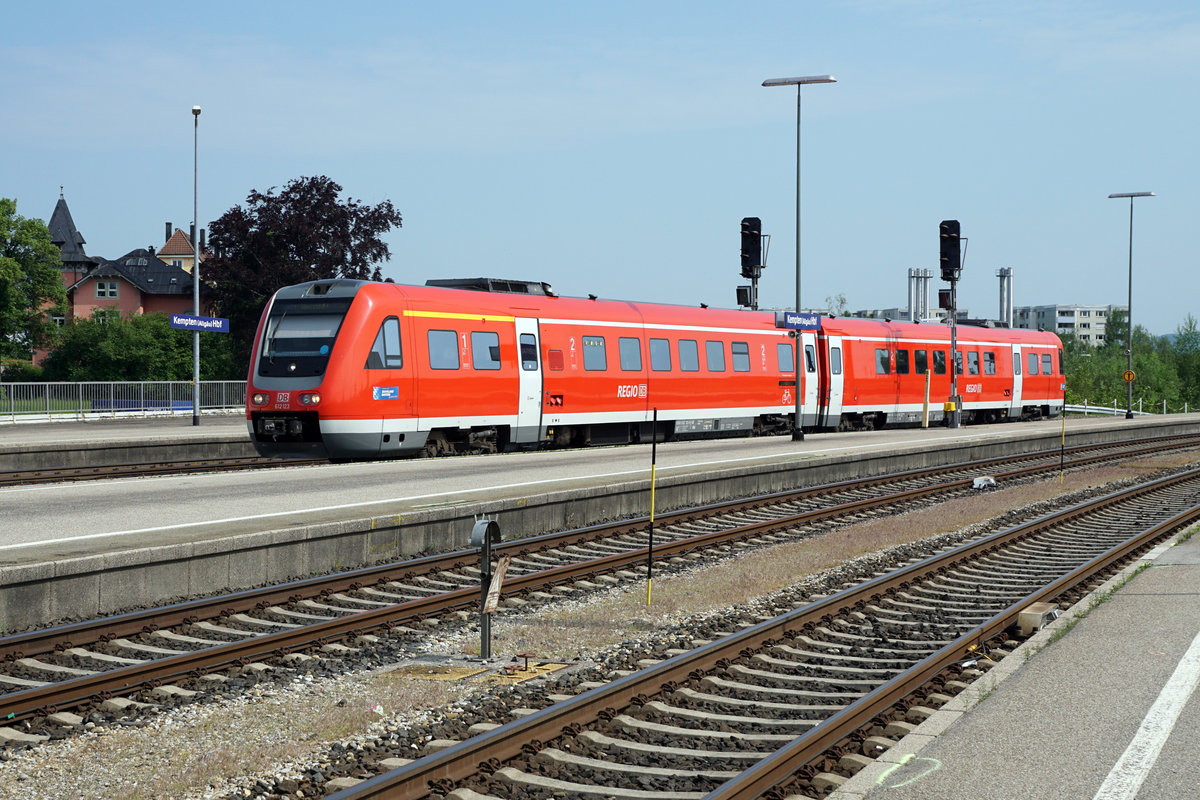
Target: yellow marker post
pixel 653 468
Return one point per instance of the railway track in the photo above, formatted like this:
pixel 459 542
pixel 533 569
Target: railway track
pixel 793 705
pixel 62 474
pixel 74 665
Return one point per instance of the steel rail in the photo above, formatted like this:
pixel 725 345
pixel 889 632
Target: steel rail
pixel 63 637
pixel 56 696
pixel 458 762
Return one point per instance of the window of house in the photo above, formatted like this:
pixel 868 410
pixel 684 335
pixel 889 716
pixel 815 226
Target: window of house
pixel 443 350
pixel 883 365
pixel 106 288
pixel 783 355
pixel 689 355
pixel 741 356
pixel 485 350
pixel 714 356
pixel 595 358
pixel 630 350
pixel 660 355
pixel 385 353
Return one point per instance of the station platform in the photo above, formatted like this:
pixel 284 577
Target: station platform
pixel 1106 712
pixel 96 547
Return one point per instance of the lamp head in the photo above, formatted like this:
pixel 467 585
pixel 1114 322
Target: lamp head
pixel 195 111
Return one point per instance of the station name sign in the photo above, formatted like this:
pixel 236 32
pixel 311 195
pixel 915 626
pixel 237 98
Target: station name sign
pixel 797 321
pixel 189 322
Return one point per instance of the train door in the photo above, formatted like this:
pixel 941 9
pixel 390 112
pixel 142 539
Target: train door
pixel 808 355
pixel 832 374
pixel 1014 410
pixel 529 401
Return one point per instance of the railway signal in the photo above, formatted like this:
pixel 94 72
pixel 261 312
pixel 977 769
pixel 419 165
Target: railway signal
pixel 949 240
pixel 753 258
pixel 948 234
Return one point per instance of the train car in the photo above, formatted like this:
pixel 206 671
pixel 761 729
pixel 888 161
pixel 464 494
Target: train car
pixel 872 373
pixel 351 369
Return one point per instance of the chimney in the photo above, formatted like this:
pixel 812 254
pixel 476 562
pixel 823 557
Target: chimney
pixel 167 236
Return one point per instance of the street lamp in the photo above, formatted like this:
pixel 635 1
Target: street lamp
pixel 798 432
pixel 1129 307
pixel 195 264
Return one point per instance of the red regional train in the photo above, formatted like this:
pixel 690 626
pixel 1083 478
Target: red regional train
pixel 348 369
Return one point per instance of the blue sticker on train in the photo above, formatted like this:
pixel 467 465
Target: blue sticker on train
pixel 385 392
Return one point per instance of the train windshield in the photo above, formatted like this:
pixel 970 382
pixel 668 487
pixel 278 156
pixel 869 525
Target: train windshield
pixel 299 336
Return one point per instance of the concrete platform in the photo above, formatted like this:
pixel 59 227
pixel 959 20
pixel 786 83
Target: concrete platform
pixel 100 546
pixel 1105 712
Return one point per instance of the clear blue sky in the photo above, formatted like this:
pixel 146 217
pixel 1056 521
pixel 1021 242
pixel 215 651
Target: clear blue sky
pixel 614 147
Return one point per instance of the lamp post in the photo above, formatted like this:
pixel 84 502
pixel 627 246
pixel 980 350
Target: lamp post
pixel 797 431
pixel 1129 306
pixel 195 264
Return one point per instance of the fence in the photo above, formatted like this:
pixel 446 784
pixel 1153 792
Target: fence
pixel 1087 408
pixel 39 402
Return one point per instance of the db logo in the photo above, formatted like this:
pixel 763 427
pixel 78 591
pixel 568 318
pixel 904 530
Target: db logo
pixel 283 397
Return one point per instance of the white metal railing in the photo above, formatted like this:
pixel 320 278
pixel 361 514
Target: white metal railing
pixel 41 402
pixel 1086 408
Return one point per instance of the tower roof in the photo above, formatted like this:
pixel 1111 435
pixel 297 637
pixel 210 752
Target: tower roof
pixel 64 234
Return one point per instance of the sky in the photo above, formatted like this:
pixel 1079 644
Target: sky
pixel 613 148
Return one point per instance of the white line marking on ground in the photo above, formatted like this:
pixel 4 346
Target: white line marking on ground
pixel 1131 769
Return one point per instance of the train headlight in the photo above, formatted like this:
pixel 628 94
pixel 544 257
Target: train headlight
pixel 309 398
pixel 259 398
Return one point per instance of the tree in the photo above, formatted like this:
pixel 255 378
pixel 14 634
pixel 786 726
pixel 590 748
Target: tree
pixel 303 233
pixel 30 283
pixel 142 347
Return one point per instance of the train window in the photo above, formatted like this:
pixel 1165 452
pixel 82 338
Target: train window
pixel 1016 363
pixel 689 355
pixel 443 350
pixel 1047 364
pixel 989 363
pixel 385 353
pixel 958 361
pixel 529 354
pixel 1033 362
pixel 594 356
pixel 972 363
pixel 883 365
pixel 810 358
pixel 901 362
pixel 660 355
pixel 714 356
pixel 631 353
pixel 786 364
pixel 939 362
pixel 920 362
pixel 554 360
pixel 741 356
pixel 835 360
pixel 1061 369
pixel 485 350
